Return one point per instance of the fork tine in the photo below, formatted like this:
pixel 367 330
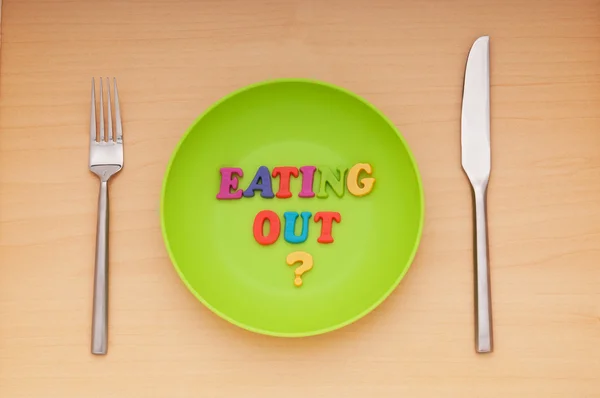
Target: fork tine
pixel 93 137
pixel 109 120
pixel 101 113
pixel 118 125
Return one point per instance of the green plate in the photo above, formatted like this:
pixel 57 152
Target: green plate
pixel 292 123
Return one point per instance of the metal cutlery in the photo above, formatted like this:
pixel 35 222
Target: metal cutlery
pixel 106 160
pixel 476 162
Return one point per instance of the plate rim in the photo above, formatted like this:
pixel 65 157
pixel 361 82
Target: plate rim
pixel 314 332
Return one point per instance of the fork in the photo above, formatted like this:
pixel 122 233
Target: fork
pixel 106 160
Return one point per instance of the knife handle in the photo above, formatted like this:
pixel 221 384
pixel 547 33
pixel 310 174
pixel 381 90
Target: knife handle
pixel 483 308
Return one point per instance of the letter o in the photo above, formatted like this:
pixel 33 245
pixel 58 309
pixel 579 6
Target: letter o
pixel 274 227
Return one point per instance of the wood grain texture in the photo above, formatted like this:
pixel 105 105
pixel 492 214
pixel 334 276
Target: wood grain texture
pixel 173 59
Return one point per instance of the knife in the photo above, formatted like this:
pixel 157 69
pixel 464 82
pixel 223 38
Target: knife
pixel 476 162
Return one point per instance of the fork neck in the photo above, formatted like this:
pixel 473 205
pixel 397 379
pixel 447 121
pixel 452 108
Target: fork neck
pixel 104 172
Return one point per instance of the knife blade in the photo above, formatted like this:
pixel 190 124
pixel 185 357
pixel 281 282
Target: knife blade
pixel 476 162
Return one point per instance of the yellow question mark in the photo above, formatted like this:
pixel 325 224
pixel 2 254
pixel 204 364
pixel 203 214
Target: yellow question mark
pixel 306 261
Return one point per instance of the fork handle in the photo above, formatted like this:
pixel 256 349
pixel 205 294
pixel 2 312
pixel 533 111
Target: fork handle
pixel 483 310
pixel 100 310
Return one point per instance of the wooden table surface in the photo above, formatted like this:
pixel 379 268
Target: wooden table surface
pixel 173 59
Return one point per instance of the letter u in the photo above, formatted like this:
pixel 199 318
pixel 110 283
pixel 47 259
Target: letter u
pixel 290 225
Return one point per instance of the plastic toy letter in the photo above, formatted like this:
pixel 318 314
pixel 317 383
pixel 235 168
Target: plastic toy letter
pixel 328 217
pixel 308 179
pixel 284 174
pixel 274 227
pixel 290 226
pixel 367 183
pixel 336 183
pixel 261 182
pixel 229 182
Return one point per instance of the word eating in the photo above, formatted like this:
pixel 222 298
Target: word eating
pixel 263 182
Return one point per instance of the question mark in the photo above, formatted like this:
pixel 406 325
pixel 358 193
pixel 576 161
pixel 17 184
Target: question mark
pixel 306 261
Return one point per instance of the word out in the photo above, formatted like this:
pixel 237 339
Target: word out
pixel 325 217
